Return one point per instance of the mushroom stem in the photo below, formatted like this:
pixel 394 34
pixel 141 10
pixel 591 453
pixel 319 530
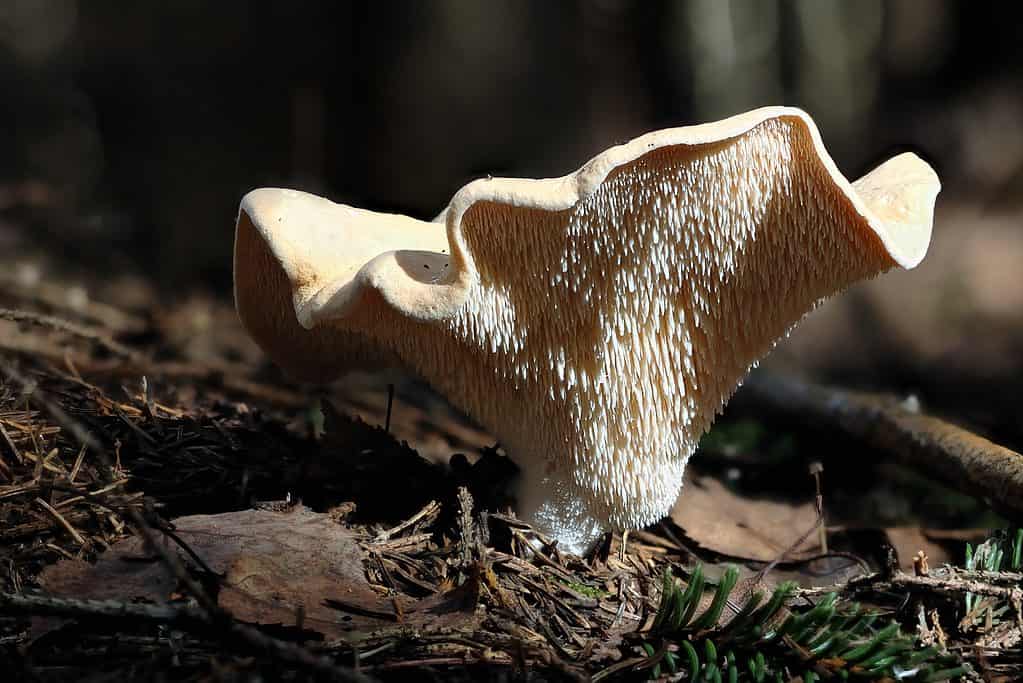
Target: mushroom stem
pixel 558 509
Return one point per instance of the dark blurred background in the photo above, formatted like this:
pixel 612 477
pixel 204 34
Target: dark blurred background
pixel 129 131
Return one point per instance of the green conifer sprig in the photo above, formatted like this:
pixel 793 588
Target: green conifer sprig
pixel 1003 551
pixel 766 641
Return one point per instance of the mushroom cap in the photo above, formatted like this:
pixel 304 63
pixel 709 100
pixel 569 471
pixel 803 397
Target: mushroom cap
pixel 594 322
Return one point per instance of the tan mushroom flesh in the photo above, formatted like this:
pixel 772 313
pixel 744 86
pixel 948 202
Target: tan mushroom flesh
pixel 597 322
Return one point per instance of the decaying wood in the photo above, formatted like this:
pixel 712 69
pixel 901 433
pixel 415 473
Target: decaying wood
pixel 959 458
pixel 951 583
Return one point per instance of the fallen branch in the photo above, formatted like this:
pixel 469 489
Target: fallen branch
pixel 953 583
pixel 956 456
pixel 231 377
pixel 941 582
pixel 45 605
pixel 57 296
pixel 68 327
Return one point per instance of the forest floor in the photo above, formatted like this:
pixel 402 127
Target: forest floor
pixel 172 509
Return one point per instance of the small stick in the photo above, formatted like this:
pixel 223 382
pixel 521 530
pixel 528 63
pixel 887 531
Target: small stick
pixel 404 544
pixel 10 533
pixel 13 491
pixel 10 444
pixel 77 465
pixel 431 509
pixel 544 560
pixel 390 402
pixel 816 469
pixel 89 496
pixel 1011 593
pixel 63 522
pixel 188 549
pixel 60 551
pixel 71 328
pixel 29 388
pixel 71 607
pixel 56 296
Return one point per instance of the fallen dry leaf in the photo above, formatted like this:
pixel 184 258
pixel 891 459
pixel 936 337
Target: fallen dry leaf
pixel 742 527
pixel 293 568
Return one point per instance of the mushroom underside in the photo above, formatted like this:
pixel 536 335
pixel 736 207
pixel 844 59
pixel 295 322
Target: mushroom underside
pixel 595 323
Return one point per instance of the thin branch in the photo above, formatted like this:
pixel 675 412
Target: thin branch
pixel 956 456
pixel 231 377
pixel 55 295
pixel 45 605
pixel 954 584
pixel 429 512
pixel 10 443
pixel 68 327
pixel 63 522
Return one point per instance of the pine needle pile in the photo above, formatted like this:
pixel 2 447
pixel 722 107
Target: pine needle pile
pixel 767 642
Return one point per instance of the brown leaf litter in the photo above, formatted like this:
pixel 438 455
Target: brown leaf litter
pixel 373 557
pixel 274 567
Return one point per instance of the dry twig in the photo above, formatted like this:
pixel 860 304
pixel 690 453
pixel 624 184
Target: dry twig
pixel 46 605
pixel 960 458
pixel 68 327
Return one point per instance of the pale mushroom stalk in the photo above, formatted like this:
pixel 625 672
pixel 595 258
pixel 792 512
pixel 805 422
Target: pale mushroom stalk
pixel 595 323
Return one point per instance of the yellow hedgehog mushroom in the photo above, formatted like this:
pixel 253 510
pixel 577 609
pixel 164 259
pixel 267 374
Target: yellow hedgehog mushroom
pixel 597 322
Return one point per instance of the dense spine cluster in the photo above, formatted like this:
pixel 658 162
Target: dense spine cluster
pixel 598 322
